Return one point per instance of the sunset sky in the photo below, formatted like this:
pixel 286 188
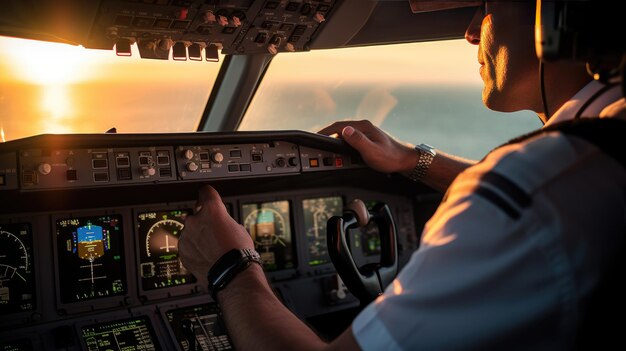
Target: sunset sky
pixel 58 88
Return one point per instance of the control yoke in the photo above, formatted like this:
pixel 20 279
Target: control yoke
pixel 369 281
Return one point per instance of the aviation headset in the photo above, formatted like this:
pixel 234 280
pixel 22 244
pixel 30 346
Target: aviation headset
pixel 586 31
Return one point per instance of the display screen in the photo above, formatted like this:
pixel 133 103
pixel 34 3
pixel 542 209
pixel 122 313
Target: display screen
pixel 126 334
pixel 269 225
pixel 17 279
pixel 159 265
pixel 201 325
pixel 316 215
pixel 16 345
pixel 90 253
pixel 369 238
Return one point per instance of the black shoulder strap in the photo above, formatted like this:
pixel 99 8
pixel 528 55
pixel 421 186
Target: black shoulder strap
pixel 608 134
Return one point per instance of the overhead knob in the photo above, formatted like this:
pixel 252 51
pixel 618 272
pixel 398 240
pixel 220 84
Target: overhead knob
pixel 192 166
pixel 148 171
pixel 209 17
pixel 222 20
pixel 217 157
pixel 188 154
pixel 44 168
pixel 319 17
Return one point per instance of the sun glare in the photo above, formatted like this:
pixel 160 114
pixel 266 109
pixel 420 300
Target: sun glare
pixel 49 63
pixel 55 102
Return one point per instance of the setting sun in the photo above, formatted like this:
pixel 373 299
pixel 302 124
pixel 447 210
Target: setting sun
pixel 50 63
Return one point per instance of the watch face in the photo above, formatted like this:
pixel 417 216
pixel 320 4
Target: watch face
pixel 426 148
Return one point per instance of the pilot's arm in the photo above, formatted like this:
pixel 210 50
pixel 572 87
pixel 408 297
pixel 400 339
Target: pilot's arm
pixel 254 316
pixel 385 154
pixel 500 265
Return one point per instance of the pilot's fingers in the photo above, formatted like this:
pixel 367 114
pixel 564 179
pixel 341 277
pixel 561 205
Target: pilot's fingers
pixel 209 200
pixel 337 127
pixel 334 128
pixel 357 139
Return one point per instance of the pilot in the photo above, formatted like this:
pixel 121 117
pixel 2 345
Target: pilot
pixel 513 254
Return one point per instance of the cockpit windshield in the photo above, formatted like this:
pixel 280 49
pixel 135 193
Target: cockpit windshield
pixel 429 92
pixel 58 88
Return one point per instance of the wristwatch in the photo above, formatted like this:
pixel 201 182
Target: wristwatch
pixel 228 266
pixel 426 154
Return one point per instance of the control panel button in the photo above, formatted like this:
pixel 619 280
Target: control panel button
pixel 280 162
pixel 29 177
pixel 257 157
pixel 293 161
pixel 101 177
pixel 165 172
pixel 71 175
pixel 122 161
pixel 235 153
pixel 233 168
pixel 99 163
pixel 124 174
pixel 163 160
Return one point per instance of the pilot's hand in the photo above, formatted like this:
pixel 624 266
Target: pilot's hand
pixel 378 149
pixel 209 233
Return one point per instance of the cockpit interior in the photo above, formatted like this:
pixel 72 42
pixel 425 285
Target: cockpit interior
pixel 113 113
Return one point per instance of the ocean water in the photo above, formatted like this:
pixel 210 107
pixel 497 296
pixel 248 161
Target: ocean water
pixel 451 118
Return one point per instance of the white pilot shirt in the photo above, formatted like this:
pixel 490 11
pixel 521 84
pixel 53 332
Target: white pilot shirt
pixel 508 256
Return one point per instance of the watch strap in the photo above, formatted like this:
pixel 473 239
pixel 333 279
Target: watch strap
pixel 426 155
pixel 228 266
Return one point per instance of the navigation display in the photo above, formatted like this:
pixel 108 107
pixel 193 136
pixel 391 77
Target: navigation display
pixel 269 225
pixel 17 279
pixel 316 214
pixel 200 325
pixel 159 265
pixel 90 253
pixel 126 334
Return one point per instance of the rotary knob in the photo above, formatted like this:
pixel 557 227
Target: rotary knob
pixel 188 154
pixel 192 166
pixel 148 171
pixel 217 157
pixel 44 168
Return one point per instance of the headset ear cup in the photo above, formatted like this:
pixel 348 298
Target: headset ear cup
pixel 360 211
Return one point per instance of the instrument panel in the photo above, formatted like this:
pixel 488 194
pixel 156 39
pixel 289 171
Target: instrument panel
pixel 17 281
pixel 95 266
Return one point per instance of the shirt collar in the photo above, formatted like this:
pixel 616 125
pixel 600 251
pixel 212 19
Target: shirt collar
pixel 570 108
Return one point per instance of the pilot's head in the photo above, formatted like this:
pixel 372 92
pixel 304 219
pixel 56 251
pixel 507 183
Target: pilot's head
pixel 504 31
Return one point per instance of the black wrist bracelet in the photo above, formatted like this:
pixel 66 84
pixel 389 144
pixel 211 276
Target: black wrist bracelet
pixel 228 266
